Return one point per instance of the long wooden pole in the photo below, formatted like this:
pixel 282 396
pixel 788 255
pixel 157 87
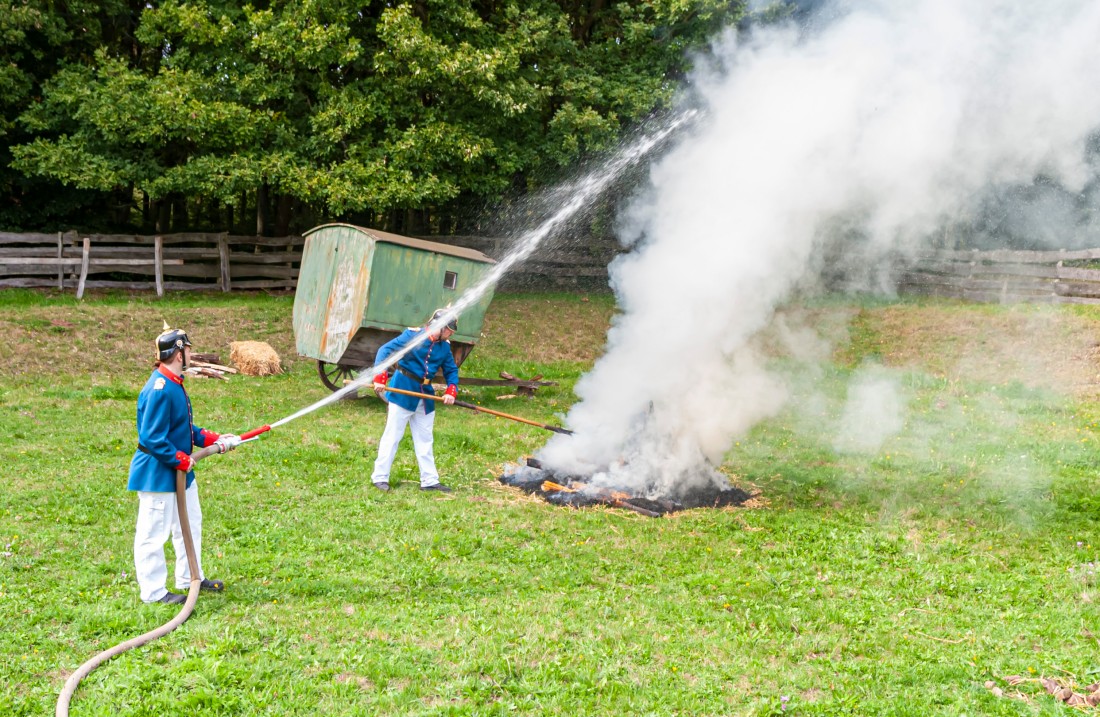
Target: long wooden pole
pixel 472 407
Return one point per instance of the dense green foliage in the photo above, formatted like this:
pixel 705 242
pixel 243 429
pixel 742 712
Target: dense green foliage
pixel 401 114
pixel 893 583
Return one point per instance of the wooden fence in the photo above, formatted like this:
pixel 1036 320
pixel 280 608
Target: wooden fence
pixel 193 261
pixel 561 264
pixel 1060 277
pixel 179 262
pixel 212 262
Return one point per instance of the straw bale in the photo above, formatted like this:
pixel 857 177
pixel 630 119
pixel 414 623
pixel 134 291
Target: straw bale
pixel 254 358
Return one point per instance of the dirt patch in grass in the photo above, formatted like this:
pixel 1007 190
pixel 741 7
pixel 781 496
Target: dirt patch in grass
pixel 548 328
pixel 1037 346
pixel 109 339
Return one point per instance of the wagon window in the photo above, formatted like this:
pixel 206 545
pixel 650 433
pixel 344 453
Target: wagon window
pixel 450 280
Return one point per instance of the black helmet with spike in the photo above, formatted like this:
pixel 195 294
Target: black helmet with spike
pixel 439 314
pixel 171 341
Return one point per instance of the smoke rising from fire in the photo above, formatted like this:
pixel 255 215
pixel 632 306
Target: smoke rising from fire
pixel 875 128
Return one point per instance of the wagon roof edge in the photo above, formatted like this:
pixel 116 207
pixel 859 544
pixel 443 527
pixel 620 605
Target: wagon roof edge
pixel 423 244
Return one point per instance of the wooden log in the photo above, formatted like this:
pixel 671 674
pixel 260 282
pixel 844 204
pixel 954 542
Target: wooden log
pixel 544 269
pixel 205 373
pixel 969 282
pixel 209 238
pixel 954 292
pixel 267 241
pixel 212 271
pixel 14 261
pixel 1079 289
pixel 31 269
pixel 1013 256
pixel 39 261
pixel 28 238
pixel 28 282
pixel 961 268
pixel 1073 273
pixel 571 258
pixel 264 270
pixel 284 284
pixel 1075 300
pixel 271 257
pixel 152 262
pixel 147 285
pixel 28 251
pixel 622 503
pixel 214 366
pixel 208 358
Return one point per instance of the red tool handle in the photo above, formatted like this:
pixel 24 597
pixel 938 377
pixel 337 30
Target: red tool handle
pixel 255 432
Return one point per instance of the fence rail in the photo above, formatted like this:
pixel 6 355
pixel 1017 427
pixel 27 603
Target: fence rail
pixel 219 261
pixel 191 260
pixel 1005 276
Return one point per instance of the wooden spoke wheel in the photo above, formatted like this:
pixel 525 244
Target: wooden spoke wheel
pixel 335 376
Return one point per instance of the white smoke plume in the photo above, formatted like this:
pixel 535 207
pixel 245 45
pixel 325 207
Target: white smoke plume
pixel 874 412
pixel 888 119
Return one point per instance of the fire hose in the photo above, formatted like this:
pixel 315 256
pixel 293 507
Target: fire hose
pixel 192 593
pixel 472 407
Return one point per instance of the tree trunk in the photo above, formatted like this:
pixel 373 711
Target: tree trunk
pixel 163 210
pixel 282 215
pixel 261 210
pixel 179 214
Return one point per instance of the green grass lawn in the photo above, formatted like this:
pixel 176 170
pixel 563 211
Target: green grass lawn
pixel 897 581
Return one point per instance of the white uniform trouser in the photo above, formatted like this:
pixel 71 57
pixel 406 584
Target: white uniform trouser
pixel 157 518
pixel 421 424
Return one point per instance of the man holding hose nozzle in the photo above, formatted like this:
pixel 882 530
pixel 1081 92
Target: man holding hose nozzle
pixel 166 438
pixel 414 372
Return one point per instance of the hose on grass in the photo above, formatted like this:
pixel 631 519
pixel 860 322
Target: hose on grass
pixel 188 607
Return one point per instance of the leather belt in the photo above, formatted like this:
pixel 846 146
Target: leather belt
pixel 414 377
pixel 144 450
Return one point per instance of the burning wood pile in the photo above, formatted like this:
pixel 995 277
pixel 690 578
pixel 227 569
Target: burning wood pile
pixel 578 492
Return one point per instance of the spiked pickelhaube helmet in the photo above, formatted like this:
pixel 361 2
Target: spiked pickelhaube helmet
pixel 171 341
pixel 439 314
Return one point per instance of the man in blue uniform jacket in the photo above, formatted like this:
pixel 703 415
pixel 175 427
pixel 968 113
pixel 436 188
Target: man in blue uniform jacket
pixel 166 437
pixel 414 372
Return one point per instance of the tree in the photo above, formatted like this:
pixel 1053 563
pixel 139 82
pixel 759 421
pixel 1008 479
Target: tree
pixel 379 112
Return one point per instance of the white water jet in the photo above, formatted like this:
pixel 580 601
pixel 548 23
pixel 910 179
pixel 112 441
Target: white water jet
pixel 578 196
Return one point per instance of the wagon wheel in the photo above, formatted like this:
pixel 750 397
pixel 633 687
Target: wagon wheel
pixel 334 375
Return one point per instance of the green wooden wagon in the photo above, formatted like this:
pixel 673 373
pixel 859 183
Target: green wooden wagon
pixel 358 288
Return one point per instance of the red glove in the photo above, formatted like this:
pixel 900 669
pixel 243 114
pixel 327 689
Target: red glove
pixel 452 391
pixel 382 378
pixel 185 463
pixel 208 437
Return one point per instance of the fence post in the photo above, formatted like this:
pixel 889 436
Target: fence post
pixel 158 263
pixel 223 260
pixel 83 268
pixel 60 266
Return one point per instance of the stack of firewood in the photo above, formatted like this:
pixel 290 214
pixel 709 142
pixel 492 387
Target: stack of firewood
pixel 208 366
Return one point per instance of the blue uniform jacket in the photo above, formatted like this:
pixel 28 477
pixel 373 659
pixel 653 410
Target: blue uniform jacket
pixel 164 428
pixel 424 361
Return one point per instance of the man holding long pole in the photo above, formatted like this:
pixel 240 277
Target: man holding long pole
pixel 413 373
